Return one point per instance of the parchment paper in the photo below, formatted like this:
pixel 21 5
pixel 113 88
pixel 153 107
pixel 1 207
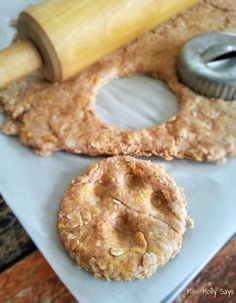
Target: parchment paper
pixel 33 186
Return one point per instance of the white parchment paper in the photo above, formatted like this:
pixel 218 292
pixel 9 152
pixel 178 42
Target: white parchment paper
pixel 33 186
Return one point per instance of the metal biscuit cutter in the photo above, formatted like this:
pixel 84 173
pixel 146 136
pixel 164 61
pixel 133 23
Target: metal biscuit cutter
pixel 207 64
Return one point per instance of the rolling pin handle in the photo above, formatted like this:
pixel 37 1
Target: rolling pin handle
pixel 17 61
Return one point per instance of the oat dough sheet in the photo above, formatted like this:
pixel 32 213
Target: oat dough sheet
pixel 52 117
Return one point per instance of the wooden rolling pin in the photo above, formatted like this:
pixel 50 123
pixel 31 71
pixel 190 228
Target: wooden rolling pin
pixel 61 37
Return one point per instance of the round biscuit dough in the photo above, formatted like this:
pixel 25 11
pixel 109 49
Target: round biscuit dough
pixel 123 218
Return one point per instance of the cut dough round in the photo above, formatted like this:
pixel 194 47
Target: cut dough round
pixel 123 218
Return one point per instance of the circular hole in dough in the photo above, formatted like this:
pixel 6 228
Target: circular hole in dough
pixel 135 102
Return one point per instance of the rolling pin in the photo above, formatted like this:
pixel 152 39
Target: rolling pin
pixel 61 37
